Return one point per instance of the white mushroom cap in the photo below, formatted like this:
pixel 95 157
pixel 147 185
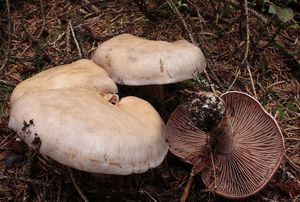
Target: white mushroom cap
pixel 78 126
pixel 131 60
pixel 82 74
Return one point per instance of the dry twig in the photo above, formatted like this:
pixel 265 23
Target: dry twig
pixel 78 7
pixel 27 180
pixel 7 52
pixel 251 79
pixel 186 27
pixel 75 40
pixel 176 11
pixel 41 47
pixel 246 56
pixel 210 82
pixel 77 187
pixel 188 187
pixel 296 167
pixel 254 12
pixel 43 17
pixel 93 6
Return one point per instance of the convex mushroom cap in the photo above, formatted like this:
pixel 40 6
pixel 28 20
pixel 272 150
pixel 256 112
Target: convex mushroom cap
pixel 81 74
pixel 246 155
pixel 79 127
pixel 132 60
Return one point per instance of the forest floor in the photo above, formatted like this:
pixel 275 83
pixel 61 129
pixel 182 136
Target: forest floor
pixel 263 61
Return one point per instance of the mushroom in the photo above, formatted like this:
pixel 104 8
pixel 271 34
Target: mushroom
pixel 237 154
pixel 81 74
pixel 74 123
pixel 135 61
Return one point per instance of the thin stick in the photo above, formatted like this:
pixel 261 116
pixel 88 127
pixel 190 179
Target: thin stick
pixel 188 187
pixel 247 32
pixel 5 130
pixel 31 181
pixel 68 34
pixel 77 187
pixel 279 29
pixel 237 74
pixel 253 12
pixel 252 82
pixel 176 11
pixel 75 9
pixel 44 19
pixel 215 77
pixel 75 40
pixel 9 38
pixel 93 6
pixel 149 195
pixel 292 138
pixel 211 85
pixel 42 48
pixel 201 19
pixel 245 60
pixel 296 167
pixel 59 191
pixel 30 158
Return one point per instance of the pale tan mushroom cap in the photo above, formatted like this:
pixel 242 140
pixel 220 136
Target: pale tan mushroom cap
pixel 68 110
pixel 81 129
pixel 131 60
pixel 82 74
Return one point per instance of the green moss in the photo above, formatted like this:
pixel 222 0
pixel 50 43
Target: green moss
pixel 282 114
pixel 291 106
pixel 55 34
pixel 5 91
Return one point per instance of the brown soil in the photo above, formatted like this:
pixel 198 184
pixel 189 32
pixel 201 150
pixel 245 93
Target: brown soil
pixel 36 35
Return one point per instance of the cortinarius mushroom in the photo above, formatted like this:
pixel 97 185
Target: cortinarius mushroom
pixel 247 145
pixel 77 123
pixel 135 61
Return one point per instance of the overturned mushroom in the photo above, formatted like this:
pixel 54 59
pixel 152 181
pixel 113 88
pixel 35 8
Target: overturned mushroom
pixel 246 144
pixel 77 125
pixel 135 61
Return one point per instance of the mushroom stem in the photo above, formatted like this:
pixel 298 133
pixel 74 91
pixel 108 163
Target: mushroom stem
pixel 152 93
pixel 222 136
pixel 209 114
